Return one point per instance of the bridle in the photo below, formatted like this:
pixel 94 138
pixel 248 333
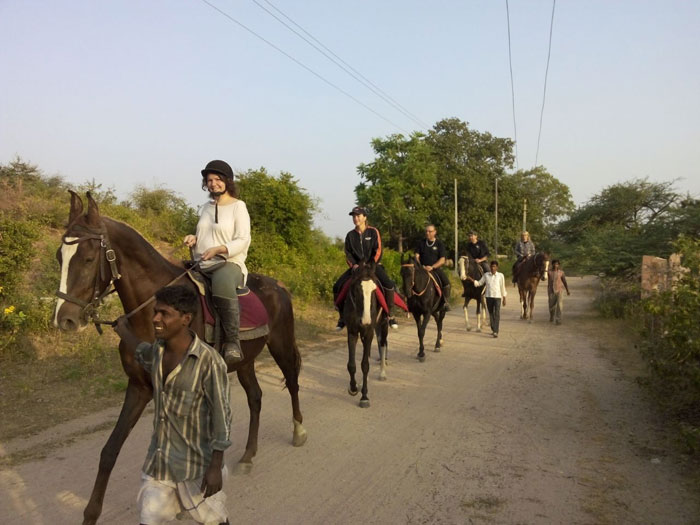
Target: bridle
pixel 412 266
pixel 108 258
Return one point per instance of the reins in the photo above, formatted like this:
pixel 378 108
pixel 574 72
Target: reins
pixel 413 279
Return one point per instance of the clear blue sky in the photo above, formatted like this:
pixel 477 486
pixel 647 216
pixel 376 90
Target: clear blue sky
pixel 132 93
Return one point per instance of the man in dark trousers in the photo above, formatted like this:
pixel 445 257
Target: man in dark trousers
pixel 478 251
pixel 184 468
pixel 495 294
pixel 431 254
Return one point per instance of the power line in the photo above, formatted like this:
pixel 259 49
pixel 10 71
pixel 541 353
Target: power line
pixel 512 87
pixel 342 64
pixel 546 71
pixel 298 62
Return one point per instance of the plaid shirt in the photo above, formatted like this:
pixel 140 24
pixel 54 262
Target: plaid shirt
pixel 192 413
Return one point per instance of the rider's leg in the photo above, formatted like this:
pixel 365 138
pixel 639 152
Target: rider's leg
pixel 445 285
pixel 516 264
pixel 389 288
pixel 337 287
pixel 224 282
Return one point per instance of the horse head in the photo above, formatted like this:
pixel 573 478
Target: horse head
pixel 362 289
pixel 542 264
pixel 88 266
pixel 408 275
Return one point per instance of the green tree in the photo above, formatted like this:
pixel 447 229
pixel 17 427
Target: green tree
pixel 278 206
pixel 399 188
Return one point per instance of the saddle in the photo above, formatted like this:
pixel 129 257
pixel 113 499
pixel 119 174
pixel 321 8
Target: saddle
pixel 253 319
pixel 398 300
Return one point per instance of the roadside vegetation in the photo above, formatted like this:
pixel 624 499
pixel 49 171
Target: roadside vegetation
pixel 608 236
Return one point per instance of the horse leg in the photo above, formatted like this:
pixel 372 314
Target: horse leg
pixel 382 340
pixel 136 398
pixel 532 303
pixel 249 382
pixel 290 364
pixel 352 342
pixel 523 304
pixel 425 319
pixel 479 316
pixel 439 316
pixel 466 314
pixel 366 348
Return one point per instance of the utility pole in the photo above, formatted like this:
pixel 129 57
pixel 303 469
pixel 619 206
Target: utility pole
pixel 456 233
pixel 524 214
pixel 495 232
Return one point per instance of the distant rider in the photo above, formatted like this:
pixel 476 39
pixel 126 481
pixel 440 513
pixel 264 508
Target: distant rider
pixel 479 251
pixel 431 253
pixel 364 244
pixel 523 250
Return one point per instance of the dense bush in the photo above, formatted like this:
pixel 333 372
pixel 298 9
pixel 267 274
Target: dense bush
pixel 672 344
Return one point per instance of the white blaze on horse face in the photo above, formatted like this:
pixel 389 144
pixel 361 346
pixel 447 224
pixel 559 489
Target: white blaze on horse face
pixel 367 288
pixel 67 253
pixel 462 271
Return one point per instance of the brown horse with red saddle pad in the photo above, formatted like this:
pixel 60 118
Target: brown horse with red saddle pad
pixel 100 255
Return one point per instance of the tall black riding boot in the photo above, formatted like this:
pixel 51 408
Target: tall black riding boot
pixel 389 296
pixel 229 312
pixel 446 292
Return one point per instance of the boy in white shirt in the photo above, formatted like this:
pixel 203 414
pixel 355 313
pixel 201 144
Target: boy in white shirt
pixel 495 294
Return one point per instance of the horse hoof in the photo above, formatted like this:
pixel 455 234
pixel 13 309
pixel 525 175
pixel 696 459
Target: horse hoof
pixel 478 330
pixel 242 469
pixel 382 377
pixel 420 358
pixel 352 392
pixel 299 437
pixel 469 329
pixel 364 403
pixel 437 349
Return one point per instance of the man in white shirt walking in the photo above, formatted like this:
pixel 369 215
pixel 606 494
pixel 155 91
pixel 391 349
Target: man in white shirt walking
pixel 495 294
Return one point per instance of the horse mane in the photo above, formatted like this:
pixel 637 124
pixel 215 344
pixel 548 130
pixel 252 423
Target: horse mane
pixel 134 237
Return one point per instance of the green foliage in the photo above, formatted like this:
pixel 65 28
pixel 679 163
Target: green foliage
pixel 278 206
pixel 672 345
pixel 400 187
pixel 411 183
pixel 612 231
pixel 16 250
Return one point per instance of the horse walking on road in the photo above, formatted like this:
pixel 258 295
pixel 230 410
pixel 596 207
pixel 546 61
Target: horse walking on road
pixel 469 267
pixel 100 255
pixel 532 270
pixel 363 317
pixel 424 301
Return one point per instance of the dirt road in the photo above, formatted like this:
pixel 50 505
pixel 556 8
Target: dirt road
pixel 543 425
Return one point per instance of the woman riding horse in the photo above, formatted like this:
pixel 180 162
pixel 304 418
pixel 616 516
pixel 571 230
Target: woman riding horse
pixel 221 245
pixel 364 245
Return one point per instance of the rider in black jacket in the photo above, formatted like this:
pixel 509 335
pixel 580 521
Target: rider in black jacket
pixel 364 244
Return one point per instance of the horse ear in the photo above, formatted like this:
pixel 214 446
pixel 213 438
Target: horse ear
pixel 76 206
pixel 93 213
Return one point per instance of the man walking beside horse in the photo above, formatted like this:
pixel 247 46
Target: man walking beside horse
pixel 184 468
pixel 431 254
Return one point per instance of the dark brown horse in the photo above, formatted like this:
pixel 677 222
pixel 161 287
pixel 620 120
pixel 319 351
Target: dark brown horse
pixel 363 316
pixel 469 267
pixel 98 253
pixel 423 301
pixel 532 270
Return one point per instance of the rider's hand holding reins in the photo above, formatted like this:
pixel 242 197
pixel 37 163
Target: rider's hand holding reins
pixel 189 241
pixel 213 252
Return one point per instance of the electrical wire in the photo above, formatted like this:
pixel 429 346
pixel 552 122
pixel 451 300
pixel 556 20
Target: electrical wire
pixel 307 68
pixel 546 71
pixel 512 87
pixel 342 64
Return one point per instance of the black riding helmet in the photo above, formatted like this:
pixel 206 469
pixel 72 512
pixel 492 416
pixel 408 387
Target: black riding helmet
pixel 219 167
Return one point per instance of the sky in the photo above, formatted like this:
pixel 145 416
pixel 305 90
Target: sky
pixel 133 93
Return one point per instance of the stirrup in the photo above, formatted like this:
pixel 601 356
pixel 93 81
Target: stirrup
pixel 232 354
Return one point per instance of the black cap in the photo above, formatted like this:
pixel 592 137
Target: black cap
pixel 219 167
pixel 358 210
pixel 473 232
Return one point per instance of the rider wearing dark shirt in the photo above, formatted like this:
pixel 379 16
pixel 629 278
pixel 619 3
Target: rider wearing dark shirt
pixel 431 254
pixel 478 251
pixel 364 244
